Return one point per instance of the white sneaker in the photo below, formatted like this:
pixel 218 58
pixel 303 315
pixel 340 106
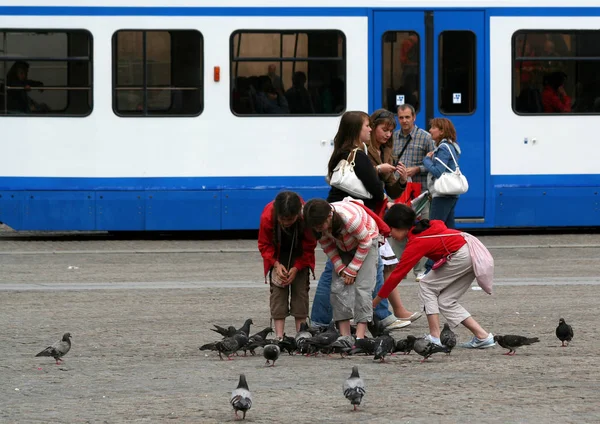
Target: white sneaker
pixel 398 324
pixel 420 276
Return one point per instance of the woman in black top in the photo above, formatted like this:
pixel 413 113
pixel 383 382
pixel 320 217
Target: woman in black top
pixel 355 132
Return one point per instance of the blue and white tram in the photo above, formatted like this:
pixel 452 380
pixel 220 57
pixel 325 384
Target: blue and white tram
pixel 187 115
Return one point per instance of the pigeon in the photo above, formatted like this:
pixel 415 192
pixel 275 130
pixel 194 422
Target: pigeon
pixel 231 345
pixel 256 340
pixel 241 398
pixel 564 332
pixel 376 328
pixel 245 328
pixel 58 349
pixel 512 342
pixel 366 346
pixel 384 345
pixel 354 388
pixel 271 353
pixel 343 345
pixel 287 344
pixel 301 337
pixel 426 348
pixel 322 341
pixel 406 345
pixel 225 332
pixel 448 338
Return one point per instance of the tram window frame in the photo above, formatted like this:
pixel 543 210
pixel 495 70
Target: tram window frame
pixel 384 89
pixel 515 59
pixel 145 85
pixel 68 59
pixel 281 60
pixel 472 82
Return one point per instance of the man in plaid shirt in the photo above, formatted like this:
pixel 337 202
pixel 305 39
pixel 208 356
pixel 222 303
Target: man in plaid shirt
pixel 419 144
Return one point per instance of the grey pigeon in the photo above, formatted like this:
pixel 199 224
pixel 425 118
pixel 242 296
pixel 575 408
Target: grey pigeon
pixel 241 398
pixel 343 345
pixel 323 341
pixel 271 353
pixel 366 346
pixel 231 345
pixel 405 346
pixel 564 332
pixel 448 338
pixel 256 340
pixel 301 337
pixel 58 349
pixel 512 342
pixel 376 328
pixel 354 388
pixel 245 328
pixel 225 332
pixel 426 348
pixel 384 345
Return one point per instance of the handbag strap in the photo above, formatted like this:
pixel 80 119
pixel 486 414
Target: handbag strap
pixel 403 150
pixel 455 162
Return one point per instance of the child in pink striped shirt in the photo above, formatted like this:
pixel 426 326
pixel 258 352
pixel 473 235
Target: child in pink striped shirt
pixel 350 238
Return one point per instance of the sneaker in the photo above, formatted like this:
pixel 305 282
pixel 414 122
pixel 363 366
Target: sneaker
pixel 476 343
pixel 430 339
pixel 420 276
pixel 397 324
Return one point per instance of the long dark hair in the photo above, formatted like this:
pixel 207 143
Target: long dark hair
pixel 403 217
pixel 316 212
pixel 347 135
pixel 287 204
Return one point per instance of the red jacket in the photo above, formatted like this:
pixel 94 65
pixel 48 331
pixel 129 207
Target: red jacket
pixel 417 247
pixel 270 252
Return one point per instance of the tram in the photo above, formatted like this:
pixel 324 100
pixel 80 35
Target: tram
pixel 149 115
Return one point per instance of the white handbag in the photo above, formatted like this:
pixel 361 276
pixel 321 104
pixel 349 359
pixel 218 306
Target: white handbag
pixel 451 183
pixel 344 178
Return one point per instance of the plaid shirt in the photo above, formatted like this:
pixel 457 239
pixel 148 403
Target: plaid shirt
pixel 416 151
pixel 358 233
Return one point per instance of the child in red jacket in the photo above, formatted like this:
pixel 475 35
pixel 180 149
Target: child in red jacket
pixel 441 288
pixel 288 251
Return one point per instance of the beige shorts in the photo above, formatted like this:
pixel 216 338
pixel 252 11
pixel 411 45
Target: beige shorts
pixel 281 304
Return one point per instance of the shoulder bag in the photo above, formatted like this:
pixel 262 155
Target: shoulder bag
pixel 345 178
pixel 451 183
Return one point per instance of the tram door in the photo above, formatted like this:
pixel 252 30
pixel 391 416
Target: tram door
pixel 434 60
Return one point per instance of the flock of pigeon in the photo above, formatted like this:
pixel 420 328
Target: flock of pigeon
pixel 312 341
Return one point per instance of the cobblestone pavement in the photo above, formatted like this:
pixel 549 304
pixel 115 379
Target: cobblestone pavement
pixel 139 309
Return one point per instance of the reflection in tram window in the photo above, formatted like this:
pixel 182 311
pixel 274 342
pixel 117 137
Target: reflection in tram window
pixel 401 67
pixel 556 72
pixel 157 73
pixel 45 72
pixel 296 72
pixel 457 72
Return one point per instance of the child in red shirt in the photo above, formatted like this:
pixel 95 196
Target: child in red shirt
pixel 441 288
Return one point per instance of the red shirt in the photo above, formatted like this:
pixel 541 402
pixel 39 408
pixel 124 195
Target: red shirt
pixel 270 251
pixel 417 247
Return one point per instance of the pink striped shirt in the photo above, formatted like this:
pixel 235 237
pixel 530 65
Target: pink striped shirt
pixel 358 233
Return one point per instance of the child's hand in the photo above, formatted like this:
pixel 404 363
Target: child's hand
pixel 376 301
pixel 348 279
pixel 291 276
pixel 282 273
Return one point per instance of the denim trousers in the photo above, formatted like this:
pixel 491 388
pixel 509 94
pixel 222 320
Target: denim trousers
pixel 322 312
pixel 442 208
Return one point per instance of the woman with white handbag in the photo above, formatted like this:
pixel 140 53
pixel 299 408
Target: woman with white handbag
pixel 445 181
pixel 350 174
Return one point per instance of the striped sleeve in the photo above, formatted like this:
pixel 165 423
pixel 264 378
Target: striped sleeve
pixel 357 228
pixel 330 248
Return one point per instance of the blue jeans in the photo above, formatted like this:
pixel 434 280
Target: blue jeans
pixel 442 208
pixel 322 314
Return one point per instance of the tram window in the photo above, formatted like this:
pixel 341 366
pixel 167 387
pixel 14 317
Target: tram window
pixel 401 69
pixel 157 73
pixel 45 73
pixel 457 72
pixel 556 72
pixel 295 72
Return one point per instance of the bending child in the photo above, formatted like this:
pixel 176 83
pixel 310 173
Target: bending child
pixel 441 288
pixel 288 250
pixel 349 236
